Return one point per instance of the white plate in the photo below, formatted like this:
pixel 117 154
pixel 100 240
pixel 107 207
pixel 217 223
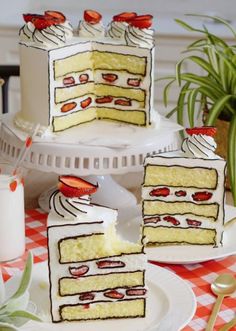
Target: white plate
pixel 166 292
pixel 187 254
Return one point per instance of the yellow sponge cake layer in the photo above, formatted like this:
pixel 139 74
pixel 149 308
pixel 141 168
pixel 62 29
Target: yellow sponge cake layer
pixel 63 94
pixel 129 116
pixel 104 310
pixel 181 208
pixel 61 123
pixel 72 286
pixel 101 60
pixel 95 246
pixel 179 176
pixel 166 235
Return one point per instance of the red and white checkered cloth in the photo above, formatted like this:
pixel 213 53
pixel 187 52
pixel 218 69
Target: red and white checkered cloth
pixel 199 276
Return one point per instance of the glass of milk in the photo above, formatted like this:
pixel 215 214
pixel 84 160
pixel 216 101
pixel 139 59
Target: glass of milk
pixel 12 215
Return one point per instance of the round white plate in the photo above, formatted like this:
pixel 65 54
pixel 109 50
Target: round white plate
pixel 187 254
pixel 166 292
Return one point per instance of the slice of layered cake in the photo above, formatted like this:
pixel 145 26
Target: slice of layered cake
pixel 93 273
pixel 183 193
pixel 69 78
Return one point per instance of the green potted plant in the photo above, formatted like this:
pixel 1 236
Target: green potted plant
pixel 212 93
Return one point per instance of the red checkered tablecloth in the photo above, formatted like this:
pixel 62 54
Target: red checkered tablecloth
pixel 199 276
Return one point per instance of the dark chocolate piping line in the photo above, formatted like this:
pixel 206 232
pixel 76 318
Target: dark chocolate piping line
pixel 64 207
pixel 82 211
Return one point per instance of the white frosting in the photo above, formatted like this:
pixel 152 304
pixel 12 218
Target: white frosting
pixel 139 37
pixel 54 35
pixel 116 30
pixel 71 208
pixel 200 146
pixel 87 30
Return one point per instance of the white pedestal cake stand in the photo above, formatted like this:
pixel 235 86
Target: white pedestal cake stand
pixel 98 150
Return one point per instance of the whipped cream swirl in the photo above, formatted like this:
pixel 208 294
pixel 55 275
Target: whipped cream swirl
pixel 54 35
pixel 88 30
pixel 200 146
pixel 139 37
pixel 116 30
pixel 69 208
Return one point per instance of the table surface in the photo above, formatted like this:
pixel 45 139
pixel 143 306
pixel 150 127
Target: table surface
pixel 199 276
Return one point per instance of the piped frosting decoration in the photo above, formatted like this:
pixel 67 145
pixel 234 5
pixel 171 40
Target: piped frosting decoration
pixel 48 30
pixel 200 143
pixel 72 200
pixel 116 29
pixel 138 32
pixel 91 26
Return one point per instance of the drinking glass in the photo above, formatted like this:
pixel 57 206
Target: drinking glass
pixel 12 216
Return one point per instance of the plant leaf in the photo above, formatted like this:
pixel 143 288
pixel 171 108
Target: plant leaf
pixel 217 108
pixel 26 278
pixel 7 327
pixel 181 102
pixel 166 91
pixel 192 96
pixel 25 314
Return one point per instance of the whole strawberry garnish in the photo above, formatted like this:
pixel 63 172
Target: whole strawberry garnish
pixel 43 22
pixel 75 187
pixel 204 130
pixel 56 15
pixel 124 17
pixel 92 16
pixel 142 21
pixel 29 17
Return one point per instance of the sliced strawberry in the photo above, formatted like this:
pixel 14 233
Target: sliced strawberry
pixel 29 17
pixel 87 296
pixel 193 222
pixel 107 99
pixel 114 294
pixel 41 23
pixel 133 82
pixel 181 193
pixel 92 16
pixel 160 192
pixel 72 186
pixel 105 264
pixel 68 107
pixel 202 196
pixel 142 21
pixel 83 78
pixel 152 220
pixel 28 142
pixel 122 102
pixel 56 15
pixel 87 306
pixel 13 186
pixel 68 81
pixel 204 130
pixel 124 17
pixel 80 271
pixel 85 103
pixel 171 219
pixel 139 291
pixel 109 77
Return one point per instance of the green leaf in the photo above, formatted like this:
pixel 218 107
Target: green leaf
pixel 217 109
pixel 205 65
pixel 166 92
pixel 181 102
pixel 216 19
pixel 171 112
pixel 14 304
pixel 7 327
pixel 192 96
pixel 25 314
pixel 26 278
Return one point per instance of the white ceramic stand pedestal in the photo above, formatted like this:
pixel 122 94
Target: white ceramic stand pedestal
pixel 98 150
